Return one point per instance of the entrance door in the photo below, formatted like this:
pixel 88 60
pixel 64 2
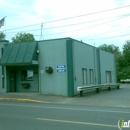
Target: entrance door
pixel 12 81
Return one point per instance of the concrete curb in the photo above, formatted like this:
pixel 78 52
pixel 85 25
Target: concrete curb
pixel 23 100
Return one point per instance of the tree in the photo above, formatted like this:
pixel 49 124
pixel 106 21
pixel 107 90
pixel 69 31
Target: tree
pixel 23 37
pixel 2 36
pixel 124 62
pixel 110 48
pixel 122 59
pixel 122 71
pixel 126 47
pixel 119 58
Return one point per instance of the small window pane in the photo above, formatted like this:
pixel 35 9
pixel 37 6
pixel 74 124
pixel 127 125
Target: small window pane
pixel 27 75
pixel 30 74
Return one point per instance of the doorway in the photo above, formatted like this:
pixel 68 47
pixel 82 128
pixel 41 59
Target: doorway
pixel 12 81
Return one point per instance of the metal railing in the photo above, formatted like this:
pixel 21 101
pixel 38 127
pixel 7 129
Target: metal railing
pixel 97 87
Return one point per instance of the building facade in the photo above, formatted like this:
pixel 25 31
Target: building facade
pixel 55 67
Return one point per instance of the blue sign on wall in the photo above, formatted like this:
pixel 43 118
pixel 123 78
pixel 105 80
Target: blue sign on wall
pixel 61 68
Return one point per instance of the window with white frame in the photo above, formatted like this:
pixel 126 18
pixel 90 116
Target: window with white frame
pixel 84 76
pixel 91 76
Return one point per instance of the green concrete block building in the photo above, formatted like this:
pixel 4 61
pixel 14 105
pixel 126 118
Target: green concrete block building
pixel 56 66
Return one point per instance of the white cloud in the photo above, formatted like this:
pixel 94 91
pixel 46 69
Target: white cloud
pixel 22 13
pixel 9 5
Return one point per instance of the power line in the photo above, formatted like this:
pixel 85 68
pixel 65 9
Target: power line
pixel 72 24
pixel 102 38
pixel 108 37
pixel 106 32
pixel 122 16
pixel 83 22
pixel 73 17
pixel 83 28
pixel 87 14
pixel 67 24
pixel 24 26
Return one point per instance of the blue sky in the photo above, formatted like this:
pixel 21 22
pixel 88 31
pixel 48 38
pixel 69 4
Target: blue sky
pixel 96 28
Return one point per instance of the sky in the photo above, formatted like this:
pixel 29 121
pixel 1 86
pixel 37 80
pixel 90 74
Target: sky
pixel 78 19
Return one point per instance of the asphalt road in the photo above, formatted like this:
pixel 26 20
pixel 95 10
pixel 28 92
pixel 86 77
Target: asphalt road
pixel 35 116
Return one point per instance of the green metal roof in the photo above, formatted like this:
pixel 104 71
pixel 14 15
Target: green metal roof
pixel 20 54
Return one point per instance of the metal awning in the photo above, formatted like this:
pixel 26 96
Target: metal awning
pixel 20 54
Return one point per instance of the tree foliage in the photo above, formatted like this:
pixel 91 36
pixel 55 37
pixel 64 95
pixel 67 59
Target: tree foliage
pixel 2 36
pixel 124 62
pixel 122 59
pixel 126 47
pixel 23 37
pixel 110 48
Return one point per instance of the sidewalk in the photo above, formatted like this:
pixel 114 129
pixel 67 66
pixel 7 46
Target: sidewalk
pixel 114 98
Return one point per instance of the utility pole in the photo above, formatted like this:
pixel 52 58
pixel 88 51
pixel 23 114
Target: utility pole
pixel 41 36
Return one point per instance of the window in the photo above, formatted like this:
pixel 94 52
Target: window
pixel 27 75
pixel 91 76
pixel 108 76
pixel 84 74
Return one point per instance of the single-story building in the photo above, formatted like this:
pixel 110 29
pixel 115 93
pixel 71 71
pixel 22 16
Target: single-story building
pixel 56 66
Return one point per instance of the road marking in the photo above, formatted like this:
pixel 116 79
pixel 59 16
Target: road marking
pixel 61 108
pixel 75 122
